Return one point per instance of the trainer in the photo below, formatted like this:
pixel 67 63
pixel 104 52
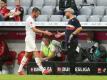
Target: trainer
pixel 72 30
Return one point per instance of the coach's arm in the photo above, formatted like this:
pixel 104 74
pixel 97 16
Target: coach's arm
pixel 78 30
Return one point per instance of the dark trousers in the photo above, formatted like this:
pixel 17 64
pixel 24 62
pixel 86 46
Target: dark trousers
pixel 72 54
pixel 71 51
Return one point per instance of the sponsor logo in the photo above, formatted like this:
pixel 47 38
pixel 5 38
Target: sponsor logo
pixel 82 69
pixel 36 69
pixel 63 69
pixel 101 70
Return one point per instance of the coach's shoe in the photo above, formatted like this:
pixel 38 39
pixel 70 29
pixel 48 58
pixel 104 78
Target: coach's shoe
pixel 46 72
pixel 21 73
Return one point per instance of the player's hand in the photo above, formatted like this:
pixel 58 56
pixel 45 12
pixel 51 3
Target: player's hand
pixel 58 35
pixel 48 33
pixel 70 38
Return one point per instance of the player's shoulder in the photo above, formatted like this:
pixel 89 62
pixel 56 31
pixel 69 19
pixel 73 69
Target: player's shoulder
pixel 29 18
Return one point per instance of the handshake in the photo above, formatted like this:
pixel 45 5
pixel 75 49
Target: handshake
pixel 58 35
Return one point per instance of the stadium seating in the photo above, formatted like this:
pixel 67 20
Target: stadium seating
pixel 48 10
pixel 25 17
pixel 101 3
pixel 82 18
pixel 51 7
pixel 79 2
pixel 91 2
pixel 94 18
pixel 26 3
pixel 86 10
pixel 99 10
pixel 25 10
pixel 20 56
pixel 38 3
pixel 43 18
pixel 10 2
pixel 50 2
pixel 13 57
pixel 57 3
pixel 104 19
pixel 57 9
pixel 106 12
pixel 30 10
pixel 56 18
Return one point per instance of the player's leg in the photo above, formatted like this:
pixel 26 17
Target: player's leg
pixel 23 62
pixel 29 50
pixel 39 63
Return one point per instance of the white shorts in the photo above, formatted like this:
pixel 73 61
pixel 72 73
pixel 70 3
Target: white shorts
pixel 30 45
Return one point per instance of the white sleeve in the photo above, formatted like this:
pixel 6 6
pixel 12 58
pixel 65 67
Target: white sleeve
pixel 31 23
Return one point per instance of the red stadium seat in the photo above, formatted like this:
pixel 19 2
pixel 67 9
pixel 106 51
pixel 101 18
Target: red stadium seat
pixel 20 56
pixel 1 48
pixel 13 57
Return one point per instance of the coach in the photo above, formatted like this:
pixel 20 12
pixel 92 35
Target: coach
pixel 72 30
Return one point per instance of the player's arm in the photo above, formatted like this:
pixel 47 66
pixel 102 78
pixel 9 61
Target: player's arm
pixel 34 28
pixel 41 31
pixel 38 30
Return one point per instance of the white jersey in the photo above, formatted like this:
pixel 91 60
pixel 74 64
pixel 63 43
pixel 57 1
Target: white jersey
pixel 30 35
pixel 30 23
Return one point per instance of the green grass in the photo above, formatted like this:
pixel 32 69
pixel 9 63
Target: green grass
pixel 50 77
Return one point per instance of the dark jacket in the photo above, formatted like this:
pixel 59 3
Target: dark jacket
pixel 70 3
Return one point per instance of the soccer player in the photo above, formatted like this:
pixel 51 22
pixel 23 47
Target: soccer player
pixel 71 32
pixel 31 48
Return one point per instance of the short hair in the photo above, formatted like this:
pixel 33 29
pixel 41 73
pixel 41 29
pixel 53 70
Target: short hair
pixel 69 10
pixel 36 10
pixel 47 38
pixel 5 1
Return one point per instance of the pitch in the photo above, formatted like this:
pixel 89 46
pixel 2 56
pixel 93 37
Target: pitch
pixel 51 77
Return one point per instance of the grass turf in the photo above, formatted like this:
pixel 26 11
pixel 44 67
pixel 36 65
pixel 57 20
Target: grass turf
pixel 51 77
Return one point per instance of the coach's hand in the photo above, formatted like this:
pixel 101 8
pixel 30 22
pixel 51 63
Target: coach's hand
pixel 58 35
pixel 70 38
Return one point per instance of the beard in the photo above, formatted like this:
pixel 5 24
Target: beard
pixel 67 17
